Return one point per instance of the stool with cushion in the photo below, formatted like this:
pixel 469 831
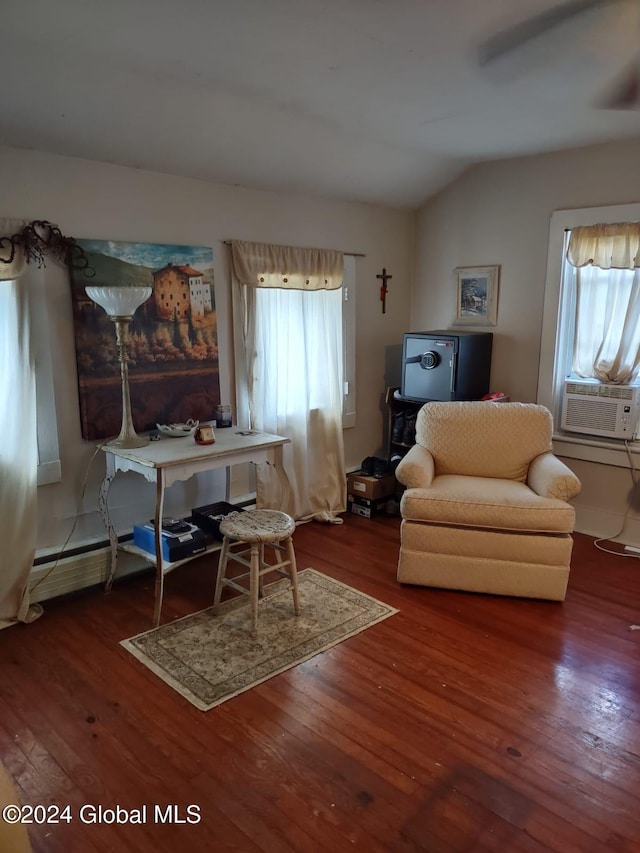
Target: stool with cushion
pixel 257 528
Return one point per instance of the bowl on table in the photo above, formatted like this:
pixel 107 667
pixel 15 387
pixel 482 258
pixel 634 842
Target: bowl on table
pixel 181 430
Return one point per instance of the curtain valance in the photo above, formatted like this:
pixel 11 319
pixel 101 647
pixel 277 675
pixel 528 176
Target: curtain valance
pixel 608 246
pixel 287 267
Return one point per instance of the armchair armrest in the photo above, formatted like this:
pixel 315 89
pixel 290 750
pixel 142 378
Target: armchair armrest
pixel 416 470
pixel 551 478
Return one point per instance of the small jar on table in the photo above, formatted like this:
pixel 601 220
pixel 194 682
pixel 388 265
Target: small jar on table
pixel 223 416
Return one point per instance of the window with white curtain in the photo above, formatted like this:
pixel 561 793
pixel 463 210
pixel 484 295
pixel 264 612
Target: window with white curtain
pixel 49 470
pixel 349 341
pixel 335 308
pixel 591 320
pixel 289 317
pixel 601 343
pixel 18 447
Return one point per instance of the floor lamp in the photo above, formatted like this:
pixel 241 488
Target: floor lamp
pixel 121 304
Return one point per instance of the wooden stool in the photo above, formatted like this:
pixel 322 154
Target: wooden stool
pixel 257 528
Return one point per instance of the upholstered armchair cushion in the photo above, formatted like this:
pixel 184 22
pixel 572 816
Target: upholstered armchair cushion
pixel 498 439
pixel 485 502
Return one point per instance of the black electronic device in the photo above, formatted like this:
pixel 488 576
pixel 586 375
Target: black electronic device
pixel 209 517
pixel 445 365
pixel 174 525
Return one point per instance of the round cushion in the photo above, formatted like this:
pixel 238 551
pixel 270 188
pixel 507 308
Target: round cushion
pixel 258 525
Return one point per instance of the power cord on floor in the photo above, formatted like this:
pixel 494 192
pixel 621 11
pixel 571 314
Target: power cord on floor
pixel 634 480
pixel 75 521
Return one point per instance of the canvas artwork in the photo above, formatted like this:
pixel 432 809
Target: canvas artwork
pixel 173 340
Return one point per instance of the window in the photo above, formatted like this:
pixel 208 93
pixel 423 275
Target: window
pixel 349 341
pixel 568 348
pixel 605 333
pixel 290 312
pixel 348 347
pixel 342 303
pixel 49 469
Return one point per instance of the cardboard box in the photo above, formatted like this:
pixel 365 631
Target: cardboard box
pixel 372 488
pixel 365 507
pixel 209 517
pixel 175 546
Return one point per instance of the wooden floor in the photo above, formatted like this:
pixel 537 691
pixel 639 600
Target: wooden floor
pixel 463 723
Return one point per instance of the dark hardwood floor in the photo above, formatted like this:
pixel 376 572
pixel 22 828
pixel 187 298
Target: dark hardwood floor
pixel 463 723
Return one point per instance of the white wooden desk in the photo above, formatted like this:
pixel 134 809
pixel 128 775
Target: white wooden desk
pixel 172 460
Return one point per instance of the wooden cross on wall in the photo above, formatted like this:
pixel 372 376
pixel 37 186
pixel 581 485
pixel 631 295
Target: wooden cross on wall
pixel 383 288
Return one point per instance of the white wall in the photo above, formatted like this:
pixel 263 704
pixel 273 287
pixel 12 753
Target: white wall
pixel 87 199
pixel 499 213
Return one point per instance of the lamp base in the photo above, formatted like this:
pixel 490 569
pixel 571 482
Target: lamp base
pixel 129 442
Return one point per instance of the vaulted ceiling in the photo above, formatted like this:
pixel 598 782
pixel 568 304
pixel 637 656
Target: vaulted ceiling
pixel 381 101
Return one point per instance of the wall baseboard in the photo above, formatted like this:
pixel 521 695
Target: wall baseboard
pixel 90 568
pixel 72 574
pixel 607 525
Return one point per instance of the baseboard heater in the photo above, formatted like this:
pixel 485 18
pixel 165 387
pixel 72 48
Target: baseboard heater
pixel 89 565
pixel 78 571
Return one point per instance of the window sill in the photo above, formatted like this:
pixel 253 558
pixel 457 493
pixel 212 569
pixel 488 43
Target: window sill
pixel 601 450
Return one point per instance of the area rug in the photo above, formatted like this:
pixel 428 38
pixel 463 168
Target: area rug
pixel 210 658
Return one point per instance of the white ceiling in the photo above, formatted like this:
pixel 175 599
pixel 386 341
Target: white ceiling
pixel 379 101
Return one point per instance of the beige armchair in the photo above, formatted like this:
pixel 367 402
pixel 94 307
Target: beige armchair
pixel 486 505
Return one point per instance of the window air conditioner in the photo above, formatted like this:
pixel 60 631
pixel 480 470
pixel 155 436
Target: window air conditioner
pixel 595 408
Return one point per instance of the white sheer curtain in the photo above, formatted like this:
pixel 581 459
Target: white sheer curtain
pixel 18 443
pixel 607 337
pixel 288 313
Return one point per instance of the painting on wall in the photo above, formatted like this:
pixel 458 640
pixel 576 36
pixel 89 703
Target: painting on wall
pixel 173 338
pixel 476 296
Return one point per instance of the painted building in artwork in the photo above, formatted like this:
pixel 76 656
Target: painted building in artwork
pixel 200 291
pixel 178 290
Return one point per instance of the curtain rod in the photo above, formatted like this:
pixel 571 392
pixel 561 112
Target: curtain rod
pixel 351 254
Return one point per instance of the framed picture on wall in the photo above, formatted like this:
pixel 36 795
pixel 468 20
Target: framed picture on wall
pixel 173 337
pixel 476 296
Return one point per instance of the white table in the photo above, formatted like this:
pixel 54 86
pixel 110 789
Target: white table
pixel 172 460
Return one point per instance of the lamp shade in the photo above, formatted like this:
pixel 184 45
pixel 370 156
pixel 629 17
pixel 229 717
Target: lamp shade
pixel 119 301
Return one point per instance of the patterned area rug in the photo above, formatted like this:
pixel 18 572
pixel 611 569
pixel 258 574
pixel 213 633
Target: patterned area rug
pixel 209 659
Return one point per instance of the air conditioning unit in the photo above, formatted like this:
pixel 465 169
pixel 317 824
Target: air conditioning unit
pixel 596 408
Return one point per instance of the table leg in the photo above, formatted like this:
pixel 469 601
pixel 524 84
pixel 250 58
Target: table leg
pixel 157 524
pixel 103 504
pixel 278 464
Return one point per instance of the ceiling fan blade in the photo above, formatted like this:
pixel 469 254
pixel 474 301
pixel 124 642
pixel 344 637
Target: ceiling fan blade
pixel 626 93
pixel 511 39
